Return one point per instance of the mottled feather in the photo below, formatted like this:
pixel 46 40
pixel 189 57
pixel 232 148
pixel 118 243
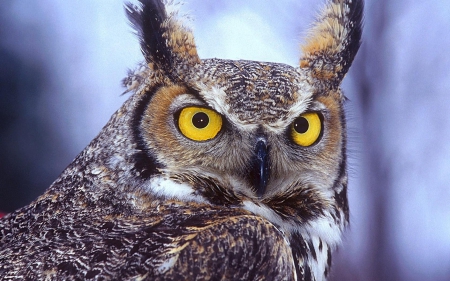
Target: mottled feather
pixel 144 202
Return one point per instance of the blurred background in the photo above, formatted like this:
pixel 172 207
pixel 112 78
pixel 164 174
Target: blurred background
pixel 61 64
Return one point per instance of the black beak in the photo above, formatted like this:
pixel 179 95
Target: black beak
pixel 260 170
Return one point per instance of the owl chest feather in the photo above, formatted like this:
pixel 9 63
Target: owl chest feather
pixel 165 240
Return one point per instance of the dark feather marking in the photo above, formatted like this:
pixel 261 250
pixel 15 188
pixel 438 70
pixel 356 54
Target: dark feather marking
pixel 307 273
pixel 300 205
pixel 329 257
pixel 210 189
pixel 147 21
pixel 354 38
pixel 341 197
pixel 312 249
pixel 93 273
pixel 145 163
pixel 67 267
pixel 300 254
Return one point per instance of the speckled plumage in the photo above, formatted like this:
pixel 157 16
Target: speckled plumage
pixel 144 202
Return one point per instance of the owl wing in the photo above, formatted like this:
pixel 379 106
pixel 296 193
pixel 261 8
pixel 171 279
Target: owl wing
pixel 171 242
pixel 237 247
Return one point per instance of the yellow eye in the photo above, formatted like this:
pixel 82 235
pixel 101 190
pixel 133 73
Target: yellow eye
pixel 306 129
pixel 198 123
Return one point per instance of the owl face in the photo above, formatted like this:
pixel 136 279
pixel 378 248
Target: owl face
pixel 266 137
pixel 260 136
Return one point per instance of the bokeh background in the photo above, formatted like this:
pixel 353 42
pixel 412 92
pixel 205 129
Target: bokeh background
pixel 61 63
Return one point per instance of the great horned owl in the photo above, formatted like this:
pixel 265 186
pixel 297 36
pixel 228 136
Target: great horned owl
pixel 212 169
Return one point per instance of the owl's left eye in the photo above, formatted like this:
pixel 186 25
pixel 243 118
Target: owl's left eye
pixel 198 123
pixel 306 129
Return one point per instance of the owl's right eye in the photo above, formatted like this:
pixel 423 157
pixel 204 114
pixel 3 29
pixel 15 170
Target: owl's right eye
pixel 198 123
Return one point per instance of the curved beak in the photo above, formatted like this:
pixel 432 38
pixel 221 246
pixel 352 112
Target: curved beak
pixel 260 169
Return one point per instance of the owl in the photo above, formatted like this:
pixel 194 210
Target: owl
pixel 211 170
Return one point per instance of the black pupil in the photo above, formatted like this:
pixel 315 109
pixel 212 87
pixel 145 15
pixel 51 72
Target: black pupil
pixel 200 120
pixel 301 125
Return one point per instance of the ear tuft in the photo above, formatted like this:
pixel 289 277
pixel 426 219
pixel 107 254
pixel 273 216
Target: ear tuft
pixel 333 41
pixel 165 42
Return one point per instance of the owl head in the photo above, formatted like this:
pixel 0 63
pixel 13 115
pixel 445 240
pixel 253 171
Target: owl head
pixel 265 137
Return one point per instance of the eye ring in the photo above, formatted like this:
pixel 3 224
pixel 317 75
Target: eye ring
pixel 199 123
pixel 307 129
